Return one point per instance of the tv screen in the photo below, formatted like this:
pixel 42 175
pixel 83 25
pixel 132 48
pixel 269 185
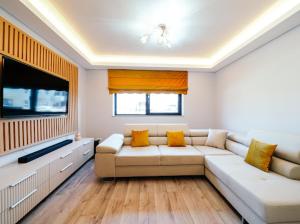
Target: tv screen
pixel 26 91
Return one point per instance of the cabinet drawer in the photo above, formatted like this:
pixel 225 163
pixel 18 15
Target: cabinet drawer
pixel 85 152
pixel 18 190
pixel 20 208
pixel 22 187
pixel 57 165
pixel 61 175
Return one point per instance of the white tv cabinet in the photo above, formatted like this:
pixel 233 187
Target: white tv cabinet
pixel 23 186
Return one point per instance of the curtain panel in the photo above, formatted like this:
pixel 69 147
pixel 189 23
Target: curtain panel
pixel 135 81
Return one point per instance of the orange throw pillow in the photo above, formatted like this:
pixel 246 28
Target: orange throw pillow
pixel 175 138
pixel 139 138
pixel 260 155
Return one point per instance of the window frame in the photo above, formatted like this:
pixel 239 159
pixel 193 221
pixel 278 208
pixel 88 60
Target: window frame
pixel 147 112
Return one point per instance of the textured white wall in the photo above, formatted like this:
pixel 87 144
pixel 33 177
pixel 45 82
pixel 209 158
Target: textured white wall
pixel 198 105
pixel 82 76
pixel 262 90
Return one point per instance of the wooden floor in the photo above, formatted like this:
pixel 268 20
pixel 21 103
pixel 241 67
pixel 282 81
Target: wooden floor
pixel 85 199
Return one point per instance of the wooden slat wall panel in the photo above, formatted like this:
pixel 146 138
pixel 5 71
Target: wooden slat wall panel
pixel 18 133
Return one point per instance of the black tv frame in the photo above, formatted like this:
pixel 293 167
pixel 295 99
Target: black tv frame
pixel 36 114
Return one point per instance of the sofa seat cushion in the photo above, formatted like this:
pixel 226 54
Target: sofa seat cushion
pixel 138 156
pixel 207 150
pixel 186 155
pixel 272 197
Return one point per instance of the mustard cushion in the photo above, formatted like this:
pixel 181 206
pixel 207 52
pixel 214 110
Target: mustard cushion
pixel 139 138
pixel 176 138
pixel 260 154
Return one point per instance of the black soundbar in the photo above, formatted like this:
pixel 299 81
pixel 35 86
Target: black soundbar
pixel 42 152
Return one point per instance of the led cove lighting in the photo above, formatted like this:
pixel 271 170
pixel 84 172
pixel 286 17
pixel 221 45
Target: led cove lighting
pixel 273 16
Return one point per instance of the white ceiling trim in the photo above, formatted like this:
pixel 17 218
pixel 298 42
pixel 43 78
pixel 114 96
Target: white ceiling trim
pixel 261 26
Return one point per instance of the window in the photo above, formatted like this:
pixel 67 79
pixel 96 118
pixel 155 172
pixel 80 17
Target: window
pixel 147 104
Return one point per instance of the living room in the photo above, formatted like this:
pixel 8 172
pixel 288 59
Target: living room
pixel 150 111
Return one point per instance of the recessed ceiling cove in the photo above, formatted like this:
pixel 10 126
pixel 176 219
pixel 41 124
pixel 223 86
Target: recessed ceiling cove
pixel 202 33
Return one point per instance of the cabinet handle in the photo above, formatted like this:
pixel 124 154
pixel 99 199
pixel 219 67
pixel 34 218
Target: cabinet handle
pixel 64 156
pixel 23 179
pixel 27 196
pixel 86 153
pixel 86 143
pixel 66 167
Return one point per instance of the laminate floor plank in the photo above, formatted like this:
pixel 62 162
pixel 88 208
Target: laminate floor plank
pixel 84 199
pixel 113 212
pixel 131 203
pixel 219 204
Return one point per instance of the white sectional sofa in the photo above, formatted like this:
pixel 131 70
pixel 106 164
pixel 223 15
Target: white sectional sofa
pixel 259 197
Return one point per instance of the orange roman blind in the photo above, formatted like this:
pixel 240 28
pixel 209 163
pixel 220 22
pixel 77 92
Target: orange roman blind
pixel 126 81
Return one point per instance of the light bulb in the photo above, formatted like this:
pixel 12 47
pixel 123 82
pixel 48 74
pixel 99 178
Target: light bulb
pixel 144 39
pixel 169 45
pixel 160 40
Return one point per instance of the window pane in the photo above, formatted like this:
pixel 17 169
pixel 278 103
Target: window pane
pixel 131 103
pixel 164 103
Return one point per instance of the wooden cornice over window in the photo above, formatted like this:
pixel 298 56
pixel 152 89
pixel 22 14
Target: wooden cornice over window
pixel 132 81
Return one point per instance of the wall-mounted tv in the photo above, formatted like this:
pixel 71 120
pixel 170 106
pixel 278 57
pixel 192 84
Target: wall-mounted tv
pixel 27 91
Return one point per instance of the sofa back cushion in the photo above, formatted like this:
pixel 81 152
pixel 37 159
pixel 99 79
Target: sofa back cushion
pixel 198 136
pixel 239 144
pixel 152 129
pixel 158 140
pixel 198 141
pixel 288 145
pixel 163 128
pixel 199 132
pixel 156 130
pixel 236 147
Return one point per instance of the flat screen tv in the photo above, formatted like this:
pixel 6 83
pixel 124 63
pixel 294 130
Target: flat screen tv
pixel 27 91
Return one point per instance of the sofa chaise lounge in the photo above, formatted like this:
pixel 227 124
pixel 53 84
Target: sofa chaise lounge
pixel 260 197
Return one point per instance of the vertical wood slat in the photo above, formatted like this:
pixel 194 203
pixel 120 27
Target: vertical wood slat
pixel 23 132
pixel 11 134
pixel 11 40
pixel 1 136
pixel 1 35
pixel 5 42
pixel 16 43
pixel 24 127
pixel 6 136
pixel 16 133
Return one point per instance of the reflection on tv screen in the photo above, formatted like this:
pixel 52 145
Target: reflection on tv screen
pixel 14 98
pixel 51 101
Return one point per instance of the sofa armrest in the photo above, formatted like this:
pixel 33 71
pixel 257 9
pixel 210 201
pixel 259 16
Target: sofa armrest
pixel 105 165
pixel 112 144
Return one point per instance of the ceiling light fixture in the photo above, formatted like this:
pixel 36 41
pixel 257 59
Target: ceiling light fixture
pixel 160 34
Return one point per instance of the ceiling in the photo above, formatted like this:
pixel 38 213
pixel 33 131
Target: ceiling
pixel 196 28
pixel 204 33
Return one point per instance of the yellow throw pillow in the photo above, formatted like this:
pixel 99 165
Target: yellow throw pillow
pixel 175 138
pixel 139 138
pixel 260 154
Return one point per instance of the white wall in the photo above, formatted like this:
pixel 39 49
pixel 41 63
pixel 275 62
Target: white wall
pixel 262 90
pixel 82 101
pixel 198 105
